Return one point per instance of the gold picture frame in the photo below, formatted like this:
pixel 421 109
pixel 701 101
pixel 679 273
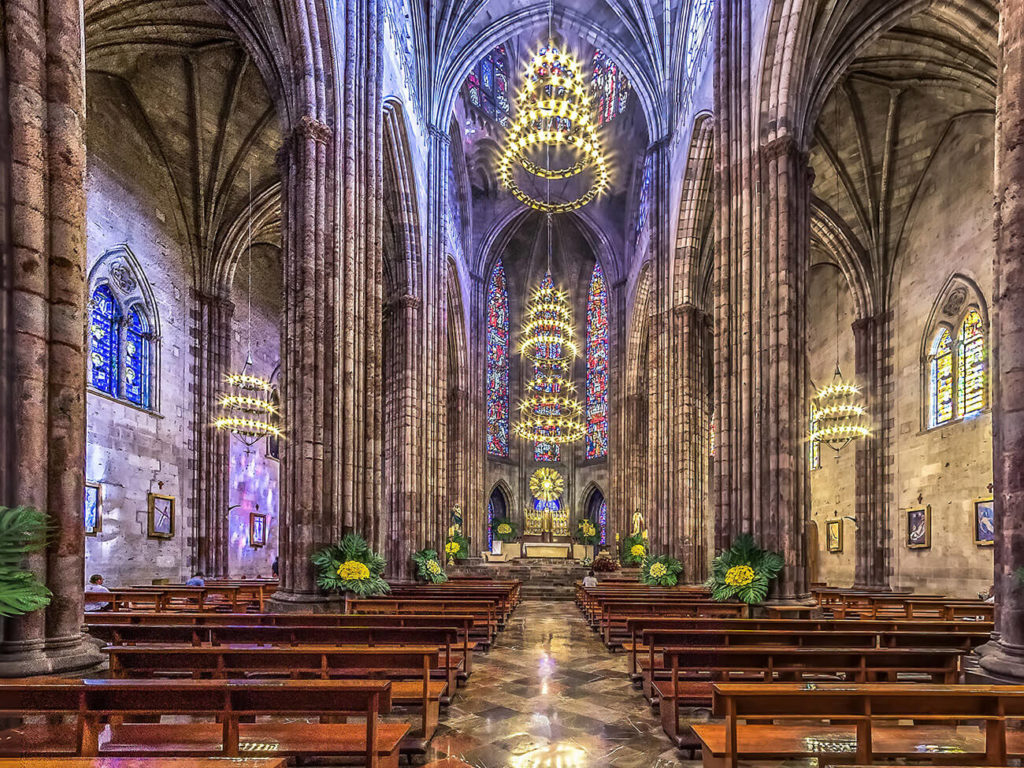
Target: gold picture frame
pixel 834 536
pixel 257 530
pixel 919 527
pixel 984 522
pixel 161 516
pixel 92 509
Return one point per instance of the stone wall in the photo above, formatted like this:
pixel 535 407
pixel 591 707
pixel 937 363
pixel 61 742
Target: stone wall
pixel 132 453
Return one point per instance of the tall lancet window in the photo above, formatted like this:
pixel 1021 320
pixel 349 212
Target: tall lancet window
pixel 488 85
pixel 941 379
pixel 971 365
pixel 597 366
pixel 544 451
pixel 105 341
pixel 136 358
pixel 497 363
pixel 610 88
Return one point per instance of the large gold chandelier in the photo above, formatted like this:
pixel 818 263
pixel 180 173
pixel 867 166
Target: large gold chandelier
pixel 553 112
pixel 839 417
pixel 550 412
pixel 248 410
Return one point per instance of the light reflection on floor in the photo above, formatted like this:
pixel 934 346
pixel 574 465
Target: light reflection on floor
pixel 549 695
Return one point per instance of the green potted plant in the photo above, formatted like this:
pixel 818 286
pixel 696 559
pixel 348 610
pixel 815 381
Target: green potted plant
pixel 503 531
pixel 660 571
pixel 605 563
pixel 457 547
pixel 351 567
pixel 743 571
pixel 428 566
pixel 634 550
pixel 587 534
pixel 22 531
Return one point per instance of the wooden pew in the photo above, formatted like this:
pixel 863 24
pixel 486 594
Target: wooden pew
pixel 128 599
pixel 486 627
pixel 862 722
pixel 693 671
pixel 409 667
pixel 444 638
pixel 615 614
pixel 467 625
pixel 90 702
pixel 959 634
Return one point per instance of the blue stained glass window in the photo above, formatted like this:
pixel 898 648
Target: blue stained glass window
pixel 602 519
pixel 488 85
pixel 104 340
pixel 609 86
pixel 700 20
pixel 597 366
pixel 497 363
pixel 136 359
pixel 643 210
pixel 490 519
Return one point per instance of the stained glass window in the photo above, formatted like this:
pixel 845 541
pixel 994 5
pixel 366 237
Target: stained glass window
pixel 105 341
pixel 971 365
pixel 597 366
pixel 700 20
pixel 136 359
pixel 643 209
pixel 544 451
pixel 602 520
pixel 488 85
pixel 814 446
pixel 712 439
pixel 497 363
pixel 610 88
pixel 941 379
pixel 490 519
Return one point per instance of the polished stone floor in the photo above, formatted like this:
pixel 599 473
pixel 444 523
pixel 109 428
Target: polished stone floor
pixel 550 695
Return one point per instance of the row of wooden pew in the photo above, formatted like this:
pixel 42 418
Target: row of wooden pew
pixel 216 595
pixel 255 685
pixel 754 673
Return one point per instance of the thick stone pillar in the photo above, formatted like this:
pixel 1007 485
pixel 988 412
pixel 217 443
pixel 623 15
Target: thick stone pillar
pixel 1006 659
pixel 212 446
pixel 874 545
pixel 44 344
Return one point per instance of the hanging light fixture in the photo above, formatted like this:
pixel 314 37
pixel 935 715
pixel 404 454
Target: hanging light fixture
pixel 247 407
pixel 553 109
pixel 839 416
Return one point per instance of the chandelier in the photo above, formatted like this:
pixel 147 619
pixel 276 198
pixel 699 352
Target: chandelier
pixel 839 417
pixel 550 412
pixel 247 406
pixel 553 110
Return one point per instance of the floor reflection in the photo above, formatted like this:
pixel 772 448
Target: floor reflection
pixel 549 695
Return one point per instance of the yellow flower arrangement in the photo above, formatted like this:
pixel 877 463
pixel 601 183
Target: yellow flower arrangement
pixel 353 570
pixel 637 550
pixel 433 566
pixel 658 570
pixel 739 576
pixel 588 528
pixel 452 548
pixel 504 529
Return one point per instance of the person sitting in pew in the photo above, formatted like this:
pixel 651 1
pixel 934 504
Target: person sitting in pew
pixel 590 580
pixel 196 581
pixel 96 585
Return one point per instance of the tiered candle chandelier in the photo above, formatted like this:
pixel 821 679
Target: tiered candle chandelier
pixel 247 407
pixel 839 417
pixel 550 412
pixel 553 112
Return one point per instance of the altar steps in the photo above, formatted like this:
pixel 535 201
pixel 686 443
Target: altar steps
pixel 542 578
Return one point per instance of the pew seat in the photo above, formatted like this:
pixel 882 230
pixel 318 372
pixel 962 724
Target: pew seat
pixel 142 762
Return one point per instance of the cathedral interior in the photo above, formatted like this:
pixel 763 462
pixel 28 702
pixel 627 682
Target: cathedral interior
pixel 535 287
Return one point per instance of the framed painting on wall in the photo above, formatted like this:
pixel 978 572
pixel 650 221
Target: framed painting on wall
pixel 257 530
pixel 984 522
pixel 161 516
pixel 919 527
pixel 93 510
pixel 834 536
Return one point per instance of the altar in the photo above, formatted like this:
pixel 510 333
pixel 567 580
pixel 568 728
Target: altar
pixel 553 549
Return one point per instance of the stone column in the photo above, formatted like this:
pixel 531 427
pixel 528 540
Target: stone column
pixel 874 546
pixel 1006 659
pixel 44 288
pixel 212 446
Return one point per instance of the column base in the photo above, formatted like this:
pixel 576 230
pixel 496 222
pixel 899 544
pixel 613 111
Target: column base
pixel 54 656
pixel 298 602
pixel 1002 663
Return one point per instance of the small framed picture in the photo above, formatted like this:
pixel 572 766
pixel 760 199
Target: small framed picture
pixel 984 522
pixel 257 530
pixel 919 527
pixel 93 510
pixel 161 516
pixel 834 535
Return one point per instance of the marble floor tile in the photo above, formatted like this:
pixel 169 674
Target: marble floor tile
pixel 550 695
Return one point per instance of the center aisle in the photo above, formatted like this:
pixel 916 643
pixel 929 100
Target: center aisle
pixel 549 694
